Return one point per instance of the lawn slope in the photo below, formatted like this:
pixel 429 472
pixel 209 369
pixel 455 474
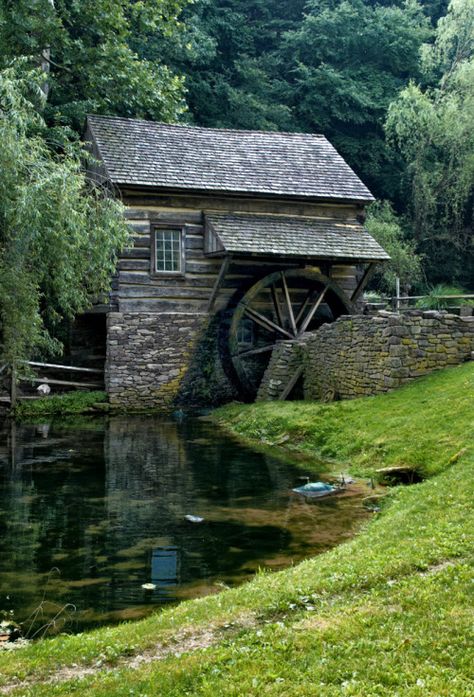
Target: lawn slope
pixel 388 613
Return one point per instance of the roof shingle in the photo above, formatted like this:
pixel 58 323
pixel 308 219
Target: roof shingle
pixel 321 238
pixel 145 153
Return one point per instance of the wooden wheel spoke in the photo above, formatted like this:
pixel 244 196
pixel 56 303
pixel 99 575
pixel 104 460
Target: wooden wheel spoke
pixel 301 311
pixel 253 352
pixel 276 304
pixel 289 306
pixel 312 311
pixel 265 322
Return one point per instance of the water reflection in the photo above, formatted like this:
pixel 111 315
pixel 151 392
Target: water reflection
pixel 104 502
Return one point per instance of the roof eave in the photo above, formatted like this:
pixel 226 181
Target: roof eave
pixel 300 257
pixel 173 191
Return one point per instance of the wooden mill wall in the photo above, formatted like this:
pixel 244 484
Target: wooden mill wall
pixel 136 289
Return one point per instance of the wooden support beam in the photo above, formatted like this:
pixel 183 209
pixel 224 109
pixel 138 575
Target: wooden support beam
pixel 312 312
pixel 219 281
pixel 288 304
pixel 266 323
pixel 366 276
pixel 291 383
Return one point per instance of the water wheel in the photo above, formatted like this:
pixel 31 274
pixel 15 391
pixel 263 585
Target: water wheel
pixel 281 306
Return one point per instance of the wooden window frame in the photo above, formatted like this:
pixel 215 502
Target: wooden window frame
pixel 156 273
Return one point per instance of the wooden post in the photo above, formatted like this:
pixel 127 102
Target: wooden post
pixel 366 276
pixel 397 293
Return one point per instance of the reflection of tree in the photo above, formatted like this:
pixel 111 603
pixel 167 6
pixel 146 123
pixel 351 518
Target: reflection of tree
pixel 107 505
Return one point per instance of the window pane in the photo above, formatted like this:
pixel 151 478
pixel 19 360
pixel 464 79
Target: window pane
pixel 168 250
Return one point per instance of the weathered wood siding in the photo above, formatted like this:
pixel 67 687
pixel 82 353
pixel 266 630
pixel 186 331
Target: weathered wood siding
pixel 136 289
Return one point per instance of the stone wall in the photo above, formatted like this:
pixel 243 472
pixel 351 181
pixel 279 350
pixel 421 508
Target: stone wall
pixel 148 356
pixel 360 355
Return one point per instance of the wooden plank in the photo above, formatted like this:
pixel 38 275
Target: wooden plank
pixel 288 304
pixel 312 312
pixel 136 253
pixel 265 322
pixel 291 383
pixel 170 292
pixel 140 203
pixel 63 367
pixel 53 381
pixel 163 305
pixel 171 216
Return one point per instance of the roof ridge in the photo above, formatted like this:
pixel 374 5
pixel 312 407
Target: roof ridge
pixel 194 127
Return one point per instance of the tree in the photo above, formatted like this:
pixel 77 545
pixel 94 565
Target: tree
pixel 94 55
pixel 433 129
pixel 405 263
pixel 345 64
pixel 228 51
pixel 59 233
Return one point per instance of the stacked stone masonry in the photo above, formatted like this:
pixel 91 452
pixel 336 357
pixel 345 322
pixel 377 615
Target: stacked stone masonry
pixel 148 355
pixel 359 355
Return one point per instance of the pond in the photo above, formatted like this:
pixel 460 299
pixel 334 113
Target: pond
pixel 93 508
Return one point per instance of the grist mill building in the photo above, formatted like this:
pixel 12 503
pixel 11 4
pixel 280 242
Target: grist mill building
pixel 241 239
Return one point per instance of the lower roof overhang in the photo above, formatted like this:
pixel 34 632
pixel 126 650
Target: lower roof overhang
pixel 296 239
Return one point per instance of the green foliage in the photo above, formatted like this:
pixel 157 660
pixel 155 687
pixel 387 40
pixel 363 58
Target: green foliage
pixel 95 55
pixel 436 300
pixel 59 233
pixel 347 61
pixel 384 226
pixel 59 405
pixel 433 129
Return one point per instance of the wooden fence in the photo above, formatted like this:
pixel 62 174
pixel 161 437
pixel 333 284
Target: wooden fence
pixel 25 373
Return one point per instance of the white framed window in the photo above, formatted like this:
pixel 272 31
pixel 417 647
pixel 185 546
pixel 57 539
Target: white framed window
pixel 167 251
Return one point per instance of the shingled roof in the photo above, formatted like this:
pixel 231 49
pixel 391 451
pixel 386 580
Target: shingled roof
pixel 145 153
pixel 321 238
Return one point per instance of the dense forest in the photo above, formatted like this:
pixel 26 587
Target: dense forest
pixel 390 83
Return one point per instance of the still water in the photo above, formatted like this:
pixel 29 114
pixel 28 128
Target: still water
pixel 91 509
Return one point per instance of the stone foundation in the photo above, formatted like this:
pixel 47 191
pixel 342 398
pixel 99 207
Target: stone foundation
pixel 359 356
pixel 148 356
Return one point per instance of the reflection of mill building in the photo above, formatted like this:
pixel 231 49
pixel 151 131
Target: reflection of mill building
pixel 241 239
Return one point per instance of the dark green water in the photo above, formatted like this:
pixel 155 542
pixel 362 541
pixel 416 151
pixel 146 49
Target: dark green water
pixel 90 509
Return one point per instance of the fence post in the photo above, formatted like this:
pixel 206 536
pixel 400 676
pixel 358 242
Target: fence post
pixel 397 293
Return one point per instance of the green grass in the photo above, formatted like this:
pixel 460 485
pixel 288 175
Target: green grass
pixel 424 424
pixel 388 613
pixel 61 404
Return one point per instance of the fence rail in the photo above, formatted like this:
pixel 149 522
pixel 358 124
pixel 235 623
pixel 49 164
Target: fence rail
pixel 16 378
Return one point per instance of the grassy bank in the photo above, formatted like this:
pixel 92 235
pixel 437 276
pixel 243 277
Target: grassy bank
pixel 62 405
pixel 388 613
